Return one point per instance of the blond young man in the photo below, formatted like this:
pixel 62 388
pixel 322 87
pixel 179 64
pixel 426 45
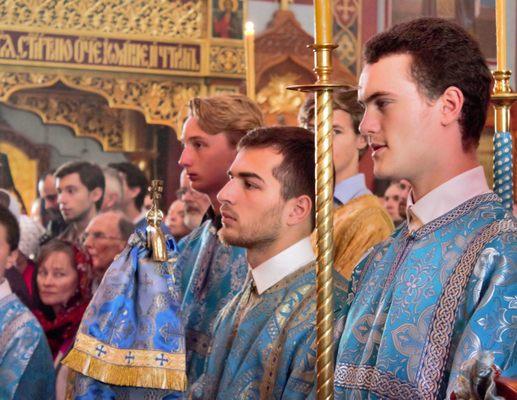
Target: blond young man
pixel 212 273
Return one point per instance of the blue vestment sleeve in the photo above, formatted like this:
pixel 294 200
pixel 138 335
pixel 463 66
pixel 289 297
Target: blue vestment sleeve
pixel 302 376
pixel 38 379
pixel 344 293
pixel 492 295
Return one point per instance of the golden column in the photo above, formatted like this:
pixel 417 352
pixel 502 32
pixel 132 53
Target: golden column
pixel 323 88
pixel 503 97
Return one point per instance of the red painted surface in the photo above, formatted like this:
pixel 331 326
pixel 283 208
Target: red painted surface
pixel 368 20
pixel 368 29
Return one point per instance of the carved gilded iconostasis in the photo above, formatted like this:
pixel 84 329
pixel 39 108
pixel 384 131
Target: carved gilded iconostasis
pixel 283 58
pixel 96 67
pixel 121 71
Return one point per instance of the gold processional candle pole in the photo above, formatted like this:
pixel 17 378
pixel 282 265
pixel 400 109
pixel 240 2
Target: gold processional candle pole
pixel 249 53
pixel 323 89
pixel 502 97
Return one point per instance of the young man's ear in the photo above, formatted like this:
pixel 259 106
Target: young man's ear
pixel 96 194
pixel 301 208
pixel 133 191
pixel 11 258
pixel 451 103
pixel 360 142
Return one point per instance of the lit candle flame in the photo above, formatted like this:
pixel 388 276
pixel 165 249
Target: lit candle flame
pixel 249 28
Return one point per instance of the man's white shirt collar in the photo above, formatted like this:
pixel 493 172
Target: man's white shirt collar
pixel 272 271
pixel 448 195
pixel 5 289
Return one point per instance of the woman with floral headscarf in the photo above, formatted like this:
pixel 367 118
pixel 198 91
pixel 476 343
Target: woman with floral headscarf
pixel 62 293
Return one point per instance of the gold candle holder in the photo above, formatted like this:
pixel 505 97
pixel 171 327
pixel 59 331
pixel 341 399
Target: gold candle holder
pixel 502 98
pixel 323 88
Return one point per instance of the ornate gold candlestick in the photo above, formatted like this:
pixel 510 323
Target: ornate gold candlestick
pixel 323 88
pixel 503 97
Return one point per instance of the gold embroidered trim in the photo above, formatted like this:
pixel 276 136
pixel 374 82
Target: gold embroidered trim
pixel 127 367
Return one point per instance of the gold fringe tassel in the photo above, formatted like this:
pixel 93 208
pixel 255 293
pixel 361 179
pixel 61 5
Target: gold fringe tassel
pixel 122 375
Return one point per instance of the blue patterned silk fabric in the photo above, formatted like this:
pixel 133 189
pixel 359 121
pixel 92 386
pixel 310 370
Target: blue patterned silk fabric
pixel 26 368
pixel 212 273
pixel 264 345
pixel 423 303
pixel 132 333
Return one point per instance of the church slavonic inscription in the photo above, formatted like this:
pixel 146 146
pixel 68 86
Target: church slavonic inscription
pixel 30 48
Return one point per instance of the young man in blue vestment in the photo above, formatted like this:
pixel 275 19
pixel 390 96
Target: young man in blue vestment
pixel 442 288
pixel 264 340
pixel 211 273
pixel 26 367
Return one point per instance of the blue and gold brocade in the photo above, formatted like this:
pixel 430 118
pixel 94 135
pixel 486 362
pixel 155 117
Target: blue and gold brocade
pixel 423 303
pixel 132 333
pixel 212 273
pixel 26 367
pixel 265 345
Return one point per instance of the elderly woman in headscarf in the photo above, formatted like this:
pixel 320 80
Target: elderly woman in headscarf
pixel 62 293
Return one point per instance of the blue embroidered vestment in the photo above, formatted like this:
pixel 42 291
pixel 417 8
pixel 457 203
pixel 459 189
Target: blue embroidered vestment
pixel 26 367
pixel 264 345
pixel 212 273
pixel 423 303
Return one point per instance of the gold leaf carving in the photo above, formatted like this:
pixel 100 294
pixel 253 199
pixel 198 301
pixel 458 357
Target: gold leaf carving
pixel 160 100
pixel 227 60
pixel 171 19
pixel 87 115
pixel 12 81
pixel 274 98
pixel 218 89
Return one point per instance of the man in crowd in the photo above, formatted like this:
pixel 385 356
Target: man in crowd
pixel 48 213
pixel 26 369
pixel 392 198
pixel 106 236
pixel 211 272
pixel 441 289
pixel 360 222
pixel 405 188
pixel 175 220
pixel 80 188
pixel 265 339
pixel 113 193
pixel 134 188
pixel 196 203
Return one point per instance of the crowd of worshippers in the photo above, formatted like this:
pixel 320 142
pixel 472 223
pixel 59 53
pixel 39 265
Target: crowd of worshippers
pixel 424 277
